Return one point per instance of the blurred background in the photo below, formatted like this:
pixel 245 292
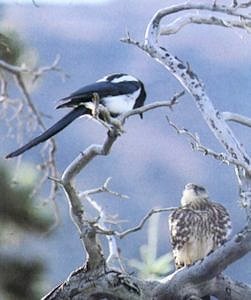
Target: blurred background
pixel 150 163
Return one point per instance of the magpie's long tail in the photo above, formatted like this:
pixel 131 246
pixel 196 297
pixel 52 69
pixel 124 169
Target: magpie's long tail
pixel 57 127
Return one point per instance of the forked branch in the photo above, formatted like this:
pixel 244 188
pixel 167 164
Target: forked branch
pixel 95 256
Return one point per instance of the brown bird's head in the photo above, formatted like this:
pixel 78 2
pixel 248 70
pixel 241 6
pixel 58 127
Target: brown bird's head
pixel 193 194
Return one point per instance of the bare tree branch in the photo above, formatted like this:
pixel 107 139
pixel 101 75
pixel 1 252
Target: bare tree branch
pixel 179 23
pixel 145 108
pixel 112 285
pixel 203 274
pixel 102 230
pixel 95 256
pixel 143 221
pixel 230 289
pixel 187 6
pixel 113 258
pixel 196 145
pixel 37 73
pixel 191 82
pixel 244 5
pixel 102 189
pixel 49 164
pixel 229 116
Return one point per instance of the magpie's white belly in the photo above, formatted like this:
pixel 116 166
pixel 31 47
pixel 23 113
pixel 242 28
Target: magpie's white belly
pixel 120 104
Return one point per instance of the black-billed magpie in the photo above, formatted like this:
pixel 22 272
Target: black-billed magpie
pixel 119 93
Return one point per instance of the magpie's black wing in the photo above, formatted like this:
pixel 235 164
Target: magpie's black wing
pixel 102 88
pixel 60 125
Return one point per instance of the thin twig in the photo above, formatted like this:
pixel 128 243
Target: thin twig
pixel 173 101
pixel 26 101
pixel 196 145
pixel 136 228
pixel 143 221
pixel 37 73
pixel 102 189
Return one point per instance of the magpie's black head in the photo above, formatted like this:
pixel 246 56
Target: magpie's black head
pixel 113 77
pixel 121 78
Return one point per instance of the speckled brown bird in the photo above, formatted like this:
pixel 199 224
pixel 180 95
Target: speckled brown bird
pixel 197 227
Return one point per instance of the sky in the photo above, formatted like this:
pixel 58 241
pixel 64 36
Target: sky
pixel 57 2
pixel 150 162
